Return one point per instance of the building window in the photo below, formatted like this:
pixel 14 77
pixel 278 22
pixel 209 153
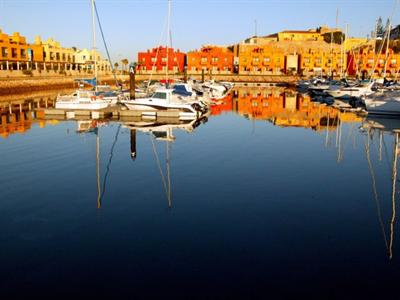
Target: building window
pixel 23 53
pixel 57 56
pixel 4 51
pixel 214 59
pixel 14 52
pixel 63 56
pixel 267 60
pixel 256 60
pixel 203 60
pixel 164 59
pixel 175 59
pixel 306 60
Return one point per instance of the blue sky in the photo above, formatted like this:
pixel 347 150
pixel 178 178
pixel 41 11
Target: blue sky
pixel 134 25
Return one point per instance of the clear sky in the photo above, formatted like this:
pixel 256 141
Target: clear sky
pixel 134 25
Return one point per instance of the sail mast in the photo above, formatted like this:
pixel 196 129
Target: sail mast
pixel 168 39
pixel 94 42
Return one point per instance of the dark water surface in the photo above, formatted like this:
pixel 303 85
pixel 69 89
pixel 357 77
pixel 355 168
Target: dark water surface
pixel 257 204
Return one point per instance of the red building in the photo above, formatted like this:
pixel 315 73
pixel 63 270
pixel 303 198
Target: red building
pixel 155 60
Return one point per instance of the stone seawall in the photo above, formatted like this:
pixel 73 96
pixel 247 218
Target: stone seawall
pixel 27 84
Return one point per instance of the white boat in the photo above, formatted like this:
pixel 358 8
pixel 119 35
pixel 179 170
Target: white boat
pixel 352 91
pixel 164 100
pixel 383 103
pixel 81 100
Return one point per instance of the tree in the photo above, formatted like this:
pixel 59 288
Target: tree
pixel 125 63
pixel 116 65
pixel 380 31
pixel 387 24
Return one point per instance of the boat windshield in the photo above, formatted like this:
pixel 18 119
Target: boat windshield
pixel 159 95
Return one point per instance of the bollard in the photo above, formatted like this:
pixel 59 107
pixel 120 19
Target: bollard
pixel 185 74
pixel 132 82
pixel 202 75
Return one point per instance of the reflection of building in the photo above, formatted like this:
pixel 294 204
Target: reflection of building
pixel 18 116
pixel 226 104
pixel 155 60
pixel 218 60
pixel 15 123
pixel 286 108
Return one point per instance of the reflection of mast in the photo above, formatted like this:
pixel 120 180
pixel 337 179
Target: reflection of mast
pixel 378 207
pixel 98 168
pixel 394 178
pixel 166 182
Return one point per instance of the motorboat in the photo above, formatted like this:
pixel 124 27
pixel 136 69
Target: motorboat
pixel 165 100
pixel 81 99
pixel 383 103
pixel 352 91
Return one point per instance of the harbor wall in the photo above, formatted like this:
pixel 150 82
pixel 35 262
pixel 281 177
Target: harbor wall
pixel 26 84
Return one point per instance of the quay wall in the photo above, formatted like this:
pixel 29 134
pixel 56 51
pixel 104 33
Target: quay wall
pixel 19 83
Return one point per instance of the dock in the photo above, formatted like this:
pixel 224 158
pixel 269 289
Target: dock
pixel 113 113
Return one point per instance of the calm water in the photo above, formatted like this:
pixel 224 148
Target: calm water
pixel 268 197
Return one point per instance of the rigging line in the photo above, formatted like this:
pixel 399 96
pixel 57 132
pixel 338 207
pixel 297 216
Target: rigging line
pixel 109 161
pixel 105 44
pixel 394 177
pixel 159 166
pixel 157 52
pixel 378 206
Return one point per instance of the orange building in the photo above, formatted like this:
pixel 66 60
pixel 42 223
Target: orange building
pixel 364 61
pixel 214 59
pixel 261 60
pixel 16 54
pixel 322 61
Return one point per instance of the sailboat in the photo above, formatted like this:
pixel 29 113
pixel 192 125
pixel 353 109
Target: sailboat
pixel 83 99
pixel 166 98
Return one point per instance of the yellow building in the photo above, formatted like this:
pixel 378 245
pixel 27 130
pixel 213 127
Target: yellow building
pixel 300 35
pixel 85 60
pixel 260 60
pixel 55 56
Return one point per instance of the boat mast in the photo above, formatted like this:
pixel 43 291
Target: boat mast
pixel 387 47
pixel 168 38
pixel 94 42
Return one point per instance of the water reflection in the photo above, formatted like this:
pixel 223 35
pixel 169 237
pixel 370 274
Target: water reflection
pixel 313 187
pixel 376 129
pixel 161 131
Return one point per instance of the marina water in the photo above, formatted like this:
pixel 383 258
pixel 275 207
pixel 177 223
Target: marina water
pixel 249 201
